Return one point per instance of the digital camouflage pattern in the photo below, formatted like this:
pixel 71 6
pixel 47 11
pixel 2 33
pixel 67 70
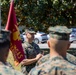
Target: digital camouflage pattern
pixel 30 50
pixel 6 70
pixel 5 67
pixel 9 64
pixel 59 29
pixel 71 58
pixel 43 59
pixel 59 32
pixel 54 66
pixel 4 35
pixel 46 57
pixel 30 30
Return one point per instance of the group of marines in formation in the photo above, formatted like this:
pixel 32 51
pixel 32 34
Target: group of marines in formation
pixel 57 62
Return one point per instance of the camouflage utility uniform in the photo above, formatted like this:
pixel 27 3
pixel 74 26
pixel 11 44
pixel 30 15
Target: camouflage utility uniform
pixel 9 64
pixel 54 66
pixel 30 50
pixel 57 64
pixel 6 70
pixel 45 58
pixel 5 67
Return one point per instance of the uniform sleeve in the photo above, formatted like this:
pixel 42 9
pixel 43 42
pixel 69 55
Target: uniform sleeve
pixel 9 64
pixel 43 59
pixel 19 73
pixel 5 70
pixel 39 61
pixel 71 58
pixel 32 72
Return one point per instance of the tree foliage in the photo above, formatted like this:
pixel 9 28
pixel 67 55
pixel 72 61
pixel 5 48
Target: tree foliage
pixel 41 14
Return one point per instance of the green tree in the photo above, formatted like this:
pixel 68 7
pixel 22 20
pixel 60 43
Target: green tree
pixel 41 14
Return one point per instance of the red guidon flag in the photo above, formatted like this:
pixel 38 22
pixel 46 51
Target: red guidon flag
pixel 16 45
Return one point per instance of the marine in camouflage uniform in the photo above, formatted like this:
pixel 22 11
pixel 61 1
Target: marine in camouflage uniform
pixel 9 64
pixel 5 69
pixel 31 50
pixel 71 58
pixel 54 66
pixel 57 63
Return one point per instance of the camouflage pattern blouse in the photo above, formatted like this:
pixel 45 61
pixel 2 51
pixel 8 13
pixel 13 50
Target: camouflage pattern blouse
pixel 54 66
pixel 9 64
pixel 30 50
pixel 45 58
pixel 6 70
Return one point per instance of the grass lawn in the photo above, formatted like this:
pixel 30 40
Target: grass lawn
pixel 11 60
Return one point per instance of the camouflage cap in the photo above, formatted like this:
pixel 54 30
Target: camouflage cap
pixel 30 30
pixel 59 32
pixel 4 35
